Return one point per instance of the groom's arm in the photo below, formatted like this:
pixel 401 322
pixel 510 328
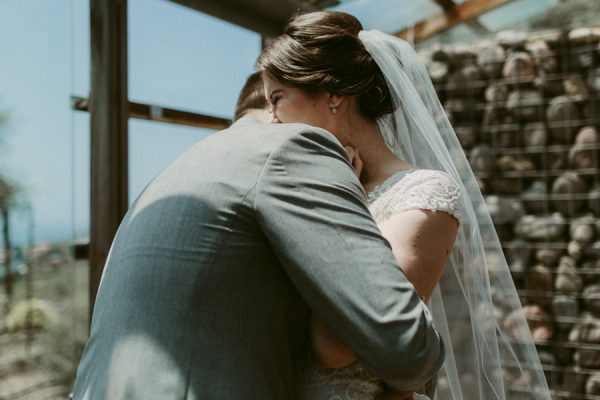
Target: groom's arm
pixel 311 207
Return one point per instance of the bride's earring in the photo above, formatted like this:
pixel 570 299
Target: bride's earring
pixel 334 109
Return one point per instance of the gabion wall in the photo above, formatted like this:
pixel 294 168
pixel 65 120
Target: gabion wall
pixel 526 109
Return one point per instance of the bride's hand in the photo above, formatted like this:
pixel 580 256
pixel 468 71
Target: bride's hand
pixel 355 159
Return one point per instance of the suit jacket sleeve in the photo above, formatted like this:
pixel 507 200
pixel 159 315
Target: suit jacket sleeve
pixel 312 208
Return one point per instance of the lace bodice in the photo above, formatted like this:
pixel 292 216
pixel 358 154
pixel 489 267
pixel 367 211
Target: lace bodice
pixel 412 189
pixel 405 190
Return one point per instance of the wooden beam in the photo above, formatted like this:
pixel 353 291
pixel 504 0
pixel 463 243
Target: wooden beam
pixel 446 5
pixel 266 17
pixel 108 118
pixel 461 13
pixel 449 6
pixel 162 114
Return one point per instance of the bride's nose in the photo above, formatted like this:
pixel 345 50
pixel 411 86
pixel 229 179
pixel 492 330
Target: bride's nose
pixel 274 119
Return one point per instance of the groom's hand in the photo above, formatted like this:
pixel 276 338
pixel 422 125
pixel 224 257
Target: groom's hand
pixel 355 160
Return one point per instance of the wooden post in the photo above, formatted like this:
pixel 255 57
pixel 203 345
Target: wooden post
pixel 108 117
pixel 461 13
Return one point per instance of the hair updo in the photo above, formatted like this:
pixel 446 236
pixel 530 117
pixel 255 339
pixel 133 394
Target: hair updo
pixel 321 51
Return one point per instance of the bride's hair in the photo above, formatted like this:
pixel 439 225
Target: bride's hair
pixel 321 51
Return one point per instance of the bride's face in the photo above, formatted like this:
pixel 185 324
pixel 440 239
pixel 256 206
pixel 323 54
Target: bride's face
pixel 290 104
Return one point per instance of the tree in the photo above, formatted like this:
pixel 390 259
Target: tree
pixel 6 195
pixel 568 14
pixel 7 199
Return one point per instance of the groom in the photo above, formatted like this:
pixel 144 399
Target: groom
pixel 212 274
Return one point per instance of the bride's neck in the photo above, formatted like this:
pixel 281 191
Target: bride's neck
pixel 379 163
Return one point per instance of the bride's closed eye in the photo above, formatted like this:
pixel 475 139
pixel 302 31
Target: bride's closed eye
pixel 275 99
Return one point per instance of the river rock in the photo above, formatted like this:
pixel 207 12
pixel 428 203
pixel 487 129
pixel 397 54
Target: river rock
pixel 573 379
pixel 582 229
pixel 550 85
pixel 467 136
pixel 547 256
pixel 580 58
pixel 504 210
pixel 466 82
pixel 586 330
pixel 483 161
pixel 439 53
pixel 565 310
pixel 584 153
pixel 519 66
pixel 592 386
pixel 511 39
pixel 576 88
pixel 544 58
pixel 539 284
pixel 514 162
pixel 562 351
pixel 583 36
pixel 525 104
pixel 535 198
pixel 502 130
pixel 490 60
pixel 507 186
pixel 569 190
pixel 518 256
pixel 538 320
pixel 590 269
pixel 593 250
pixel 554 160
pixel 496 93
pixel 593 79
pixel 535 134
pixel 461 56
pixel 575 250
pixel 594 200
pixel 567 277
pixel 591 298
pixel 438 71
pixel 542 228
pixel 560 114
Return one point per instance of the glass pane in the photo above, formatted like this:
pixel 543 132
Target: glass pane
pixel 180 58
pixel 44 156
pixel 153 146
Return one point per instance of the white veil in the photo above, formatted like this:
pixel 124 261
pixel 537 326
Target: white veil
pixel 485 358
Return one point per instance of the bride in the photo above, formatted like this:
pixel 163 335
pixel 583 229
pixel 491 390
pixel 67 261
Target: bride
pixel 370 90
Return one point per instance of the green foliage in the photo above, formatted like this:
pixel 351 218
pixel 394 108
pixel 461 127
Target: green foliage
pixel 6 191
pixel 569 14
pixel 34 313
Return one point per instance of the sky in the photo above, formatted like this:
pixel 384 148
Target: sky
pixel 178 58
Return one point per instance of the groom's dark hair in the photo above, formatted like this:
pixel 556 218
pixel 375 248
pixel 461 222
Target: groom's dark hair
pixel 252 96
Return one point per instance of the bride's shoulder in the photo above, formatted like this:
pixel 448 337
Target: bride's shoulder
pixel 423 189
pixel 428 178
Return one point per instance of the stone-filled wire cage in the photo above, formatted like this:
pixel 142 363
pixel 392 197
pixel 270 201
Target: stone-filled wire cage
pixel 526 109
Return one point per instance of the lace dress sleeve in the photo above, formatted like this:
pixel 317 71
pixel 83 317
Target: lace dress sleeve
pixel 419 189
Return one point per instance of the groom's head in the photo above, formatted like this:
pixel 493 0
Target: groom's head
pixel 252 101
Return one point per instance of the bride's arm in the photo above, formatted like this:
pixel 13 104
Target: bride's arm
pixel 421 241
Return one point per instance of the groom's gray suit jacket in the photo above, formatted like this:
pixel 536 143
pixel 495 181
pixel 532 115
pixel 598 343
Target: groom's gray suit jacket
pixel 207 288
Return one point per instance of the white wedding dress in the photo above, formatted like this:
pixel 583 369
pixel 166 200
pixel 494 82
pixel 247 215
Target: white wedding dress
pixel 405 190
